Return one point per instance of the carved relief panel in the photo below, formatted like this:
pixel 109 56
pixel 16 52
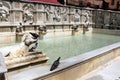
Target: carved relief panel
pixel 86 16
pixel 113 19
pixel 77 15
pixel 53 13
pixel 65 14
pixel 71 14
pixel 4 11
pixel 100 17
pixel 57 16
pixel 28 16
pixel 48 13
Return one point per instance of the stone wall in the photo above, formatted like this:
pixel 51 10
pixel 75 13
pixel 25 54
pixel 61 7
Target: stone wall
pixel 106 19
pixel 35 14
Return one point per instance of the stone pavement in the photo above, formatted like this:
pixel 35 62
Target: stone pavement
pixel 108 71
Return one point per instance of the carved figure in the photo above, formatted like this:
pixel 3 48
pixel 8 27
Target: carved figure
pixel 77 16
pixel 4 12
pixel 23 48
pixel 28 15
pixel 57 14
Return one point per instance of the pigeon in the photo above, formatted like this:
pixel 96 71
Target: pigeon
pixel 34 35
pixel 55 64
pixel 33 48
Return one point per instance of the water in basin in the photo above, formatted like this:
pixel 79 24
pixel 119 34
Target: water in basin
pixel 68 46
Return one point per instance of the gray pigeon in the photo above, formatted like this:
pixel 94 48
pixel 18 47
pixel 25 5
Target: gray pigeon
pixel 33 48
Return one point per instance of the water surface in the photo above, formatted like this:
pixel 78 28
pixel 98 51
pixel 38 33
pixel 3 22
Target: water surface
pixel 69 46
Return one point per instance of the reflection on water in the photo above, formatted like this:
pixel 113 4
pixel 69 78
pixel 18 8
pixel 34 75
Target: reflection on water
pixel 66 46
